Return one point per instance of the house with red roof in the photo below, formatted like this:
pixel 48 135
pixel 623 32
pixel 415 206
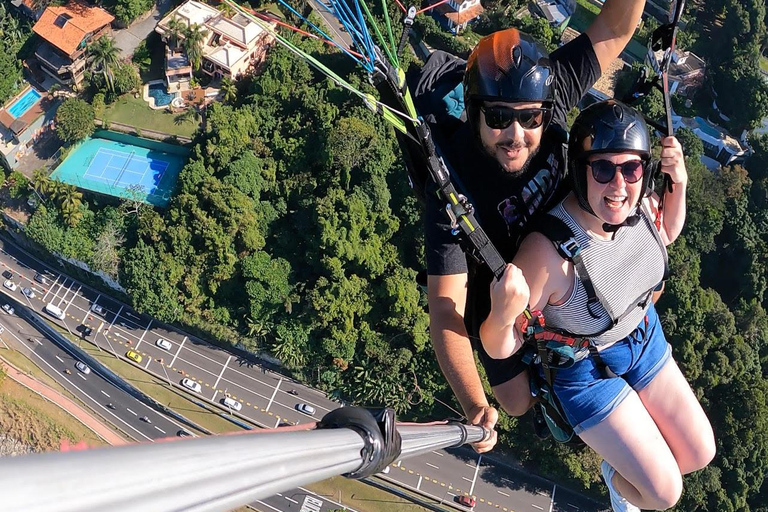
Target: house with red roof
pixel 66 32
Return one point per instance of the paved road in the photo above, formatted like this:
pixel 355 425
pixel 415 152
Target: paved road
pixel 266 396
pixel 127 39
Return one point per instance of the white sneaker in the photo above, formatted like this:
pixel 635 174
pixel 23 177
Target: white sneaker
pixel 618 503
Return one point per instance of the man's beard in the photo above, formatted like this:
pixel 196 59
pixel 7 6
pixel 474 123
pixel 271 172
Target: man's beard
pixel 491 153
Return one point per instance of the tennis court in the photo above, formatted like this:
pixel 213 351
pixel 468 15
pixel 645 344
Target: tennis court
pixel 124 166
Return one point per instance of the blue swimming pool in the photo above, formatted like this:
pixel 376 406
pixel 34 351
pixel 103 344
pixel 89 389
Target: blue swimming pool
pixel 157 91
pixel 21 105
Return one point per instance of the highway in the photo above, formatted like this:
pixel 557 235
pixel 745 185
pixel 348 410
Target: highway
pixel 268 398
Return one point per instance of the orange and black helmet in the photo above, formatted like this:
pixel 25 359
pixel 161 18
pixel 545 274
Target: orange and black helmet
pixel 508 66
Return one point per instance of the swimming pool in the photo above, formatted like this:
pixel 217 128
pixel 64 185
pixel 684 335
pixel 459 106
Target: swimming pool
pixel 21 105
pixel 157 91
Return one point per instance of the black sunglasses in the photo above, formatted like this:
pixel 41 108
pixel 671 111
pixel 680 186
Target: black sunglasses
pixel 500 117
pixel 604 170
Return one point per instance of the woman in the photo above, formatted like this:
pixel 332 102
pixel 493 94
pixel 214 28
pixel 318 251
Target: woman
pixel 627 400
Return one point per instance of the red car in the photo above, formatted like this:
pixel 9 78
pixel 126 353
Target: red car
pixel 467 501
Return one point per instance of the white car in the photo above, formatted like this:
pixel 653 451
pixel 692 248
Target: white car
pixel 97 309
pixel 28 292
pixel 82 367
pixel 10 285
pixel 164 344
pixel 232 403
pixel 8 309
pixel 2 329
pixel 190 384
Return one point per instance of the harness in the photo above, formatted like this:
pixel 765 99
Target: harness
pixel 555 348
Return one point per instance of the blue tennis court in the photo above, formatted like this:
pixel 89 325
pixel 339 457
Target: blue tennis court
pixel 121 165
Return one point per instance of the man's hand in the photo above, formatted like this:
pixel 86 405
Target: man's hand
pixel 509 296
pixel 486 417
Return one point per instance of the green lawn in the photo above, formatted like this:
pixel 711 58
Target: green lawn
pixel 763 63
pixel 135 112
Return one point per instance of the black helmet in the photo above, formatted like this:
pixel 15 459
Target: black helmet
pixel 606 127
pixel 507 66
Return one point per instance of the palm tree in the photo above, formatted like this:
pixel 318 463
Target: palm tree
pixel 194 36
pixel 229 89
pixel 104 57
pixel 174 29
pixel 71 200
pixel 41 183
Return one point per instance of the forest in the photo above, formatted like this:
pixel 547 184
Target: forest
pixel 293 232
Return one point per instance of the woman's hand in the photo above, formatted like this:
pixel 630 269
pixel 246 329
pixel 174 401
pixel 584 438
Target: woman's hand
pixel 509 296
pixel 673 160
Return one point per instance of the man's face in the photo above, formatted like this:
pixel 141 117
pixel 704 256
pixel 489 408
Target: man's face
pixel 513 147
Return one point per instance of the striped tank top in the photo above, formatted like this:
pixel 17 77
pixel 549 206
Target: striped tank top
pixel 621 270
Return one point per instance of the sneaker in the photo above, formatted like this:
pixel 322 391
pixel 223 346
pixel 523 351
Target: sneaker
pixel 540 427
pixel 618 503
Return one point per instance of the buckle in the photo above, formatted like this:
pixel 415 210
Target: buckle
pixel 462 207
pixel 570 248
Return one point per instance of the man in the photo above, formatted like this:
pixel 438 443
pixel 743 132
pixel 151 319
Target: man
pixel 509 159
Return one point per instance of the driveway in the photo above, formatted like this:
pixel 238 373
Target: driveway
pixel 127 39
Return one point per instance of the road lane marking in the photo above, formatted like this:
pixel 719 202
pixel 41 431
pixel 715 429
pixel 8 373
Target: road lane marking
pixel 177 352
pixel 273 394
pixel 130 411
pixel 116 316
pixel 60 359
pixel 161 430
pixel 573 506
pixel 465 478
pixel 268 505
pixel 81 376
pixel 472 466
pixel 431 465
pixel 144 333
pixel 437 453
pixel 291 500
pixel 104 393
pixel 73 297
pixel 503 493
pixel 474 478
pixel 216 384
pixel 52 286
pixel 536 506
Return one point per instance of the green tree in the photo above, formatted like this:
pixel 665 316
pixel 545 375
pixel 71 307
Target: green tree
pixel 18 185
pixel 228 88
pixel 128 10
pixel 194 36
pixel 74 120
pixel 104 56
pixel 142 56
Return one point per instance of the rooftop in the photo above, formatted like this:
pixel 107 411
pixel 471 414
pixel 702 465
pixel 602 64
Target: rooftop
pixel 239 29
pixel 67 26
pixel 226 55
pixel 461 16
pixel 190 13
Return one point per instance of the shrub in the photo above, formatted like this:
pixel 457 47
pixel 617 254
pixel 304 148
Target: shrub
pixel 74 120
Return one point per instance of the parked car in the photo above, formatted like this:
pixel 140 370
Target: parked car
pixel 97 309
pixel 134 356
pixel 8 309
pixel 184 433
pixel 467 501
pixel 232 403
pixel 8 274
pixel 40 278
pixel 190 384
pixel 82 367
pixel 10 285
pixel 305 408
pixel 2 329
pixel 164 344
pixel 28 292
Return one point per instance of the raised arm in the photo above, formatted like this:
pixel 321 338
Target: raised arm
pixel 674 208
pixel 613 28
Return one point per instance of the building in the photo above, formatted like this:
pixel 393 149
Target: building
pixel 23 120
pixel 718 144
pixel 455 16
pixel 686 71
pixel 557 12
pixel 29 8
pixel 231 47
pixel 66 32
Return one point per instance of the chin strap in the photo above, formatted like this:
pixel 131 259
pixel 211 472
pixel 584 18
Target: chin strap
pixel 630 221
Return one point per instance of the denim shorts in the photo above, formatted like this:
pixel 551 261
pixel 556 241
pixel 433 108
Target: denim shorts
pixel 587 395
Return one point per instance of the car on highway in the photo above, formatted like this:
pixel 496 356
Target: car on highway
pixel 29 293
pixel 305 408
pixel 8 274
pixel 8 309
pixel 184 433
pixel 232 403
pixel 134 356
pixel 82 367
pixel 293 392
pixel 2 329
pixel 10 285
pixel 87 331
pixel 467 501
pixel 54 310
pixel 40 278
pixel 97 309
pixel 164 344
pixel 190 384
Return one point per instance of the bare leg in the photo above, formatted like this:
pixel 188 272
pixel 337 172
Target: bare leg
pixel 514 396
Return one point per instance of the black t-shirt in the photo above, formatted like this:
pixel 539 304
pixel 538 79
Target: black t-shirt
pixel 504 205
